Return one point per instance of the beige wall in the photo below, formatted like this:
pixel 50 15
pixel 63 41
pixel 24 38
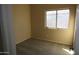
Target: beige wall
pixel 21 21
pixel 39 30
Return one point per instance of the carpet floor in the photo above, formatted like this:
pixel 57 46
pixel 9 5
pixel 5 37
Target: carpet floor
pixel 41 47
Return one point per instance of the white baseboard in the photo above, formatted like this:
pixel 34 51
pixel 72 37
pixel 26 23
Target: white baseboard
pixel 52 41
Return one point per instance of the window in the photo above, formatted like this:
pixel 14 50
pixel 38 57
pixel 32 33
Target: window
pixel 57 19
pixel 51 19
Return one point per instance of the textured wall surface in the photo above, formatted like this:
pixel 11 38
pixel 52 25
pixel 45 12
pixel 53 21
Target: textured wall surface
pixel 39 31
pixel 21 21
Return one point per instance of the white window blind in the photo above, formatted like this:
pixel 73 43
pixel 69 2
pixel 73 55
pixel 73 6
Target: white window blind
pixel 51 19
pixel 57 19
pixel 62 18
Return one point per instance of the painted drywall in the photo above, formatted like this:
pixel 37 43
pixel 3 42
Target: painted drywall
pixel 39 31
pixel 21 22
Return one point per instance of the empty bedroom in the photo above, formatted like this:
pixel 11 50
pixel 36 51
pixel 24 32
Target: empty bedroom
pixel 44 29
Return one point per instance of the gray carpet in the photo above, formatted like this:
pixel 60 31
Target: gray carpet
pixel 41 47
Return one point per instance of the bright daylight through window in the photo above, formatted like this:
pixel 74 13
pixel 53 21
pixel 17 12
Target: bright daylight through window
pixel 57 19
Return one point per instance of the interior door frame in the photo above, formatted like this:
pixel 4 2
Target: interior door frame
pixel 76 41
pixel 9 45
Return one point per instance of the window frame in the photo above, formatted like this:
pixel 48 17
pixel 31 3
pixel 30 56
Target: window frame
pixel 56 18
